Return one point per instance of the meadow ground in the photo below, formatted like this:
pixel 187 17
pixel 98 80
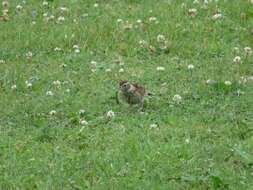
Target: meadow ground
pixel 60 63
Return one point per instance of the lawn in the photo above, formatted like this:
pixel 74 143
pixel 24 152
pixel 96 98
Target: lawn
pixel 60 65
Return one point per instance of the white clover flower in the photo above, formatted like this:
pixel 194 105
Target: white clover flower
pixel 177 98
pixel 33 22
pixel 45 14
pixel 5 3
pixel 192 12
pixel 110 114
pixel 152 19
pixel 95 5
pixel 119 20
pixel 83 122
pixel 29 54
pixel 57 83
pixel 139 21
pixel 196 2
pixel 217 16
pixel 248 51
pixel 75 46
pixel 205 1
pixel 153 126
pixel 52 112
pixel 67 90
pixel 19 7
pixel 45 3
pixel 228 83
pixel 2 61
pixel 61 19
pixel 108 70
pixel 28 84
pixel 187 141
pixel 160 38
pixel 190 67
pixel 81 112
pixel 237 59
pixel 160 68
pixel 121 70
pixel 49 93
pixel 77 50
pixel 57 49
pixel 14 87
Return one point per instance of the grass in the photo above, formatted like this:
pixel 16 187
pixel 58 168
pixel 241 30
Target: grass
pixel 203 142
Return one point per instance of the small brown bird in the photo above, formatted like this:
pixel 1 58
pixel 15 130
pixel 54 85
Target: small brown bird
pixel 131 93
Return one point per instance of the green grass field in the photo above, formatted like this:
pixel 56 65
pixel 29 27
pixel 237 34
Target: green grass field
pixel 60 64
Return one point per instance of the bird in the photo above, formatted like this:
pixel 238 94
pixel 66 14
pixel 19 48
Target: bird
pixel 132 93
